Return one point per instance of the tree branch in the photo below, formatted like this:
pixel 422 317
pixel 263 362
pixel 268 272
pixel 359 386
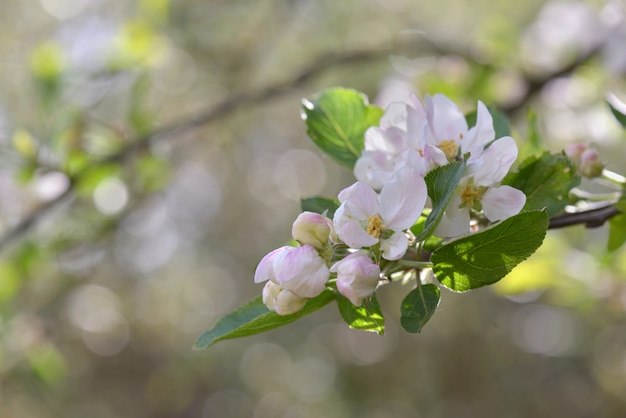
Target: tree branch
pixel 591 218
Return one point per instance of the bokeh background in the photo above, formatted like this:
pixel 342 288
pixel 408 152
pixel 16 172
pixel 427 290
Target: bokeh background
pixel 153 151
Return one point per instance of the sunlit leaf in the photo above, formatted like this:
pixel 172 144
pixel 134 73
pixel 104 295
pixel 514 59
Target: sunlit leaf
pixel 367 317
pixel 546 181
pixel 254 318
pixel 485 257
pixel 418 307
pixel 336 122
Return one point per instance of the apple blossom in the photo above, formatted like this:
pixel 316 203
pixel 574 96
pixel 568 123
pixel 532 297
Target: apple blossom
pixel 397 142
pixel 478 190
pixel 447 133
pixel 366 218
pixel 282 301
pixel 311 228
pixel 298 269
pixel 357 276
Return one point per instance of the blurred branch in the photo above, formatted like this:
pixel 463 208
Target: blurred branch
pixel 219 111
pixel 591 218
pixel 536 84
pixel 236 101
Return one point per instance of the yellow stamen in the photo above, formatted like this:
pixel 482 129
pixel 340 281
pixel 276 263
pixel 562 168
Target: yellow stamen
pixel 471 193
pixel 450 148
pixel 374 226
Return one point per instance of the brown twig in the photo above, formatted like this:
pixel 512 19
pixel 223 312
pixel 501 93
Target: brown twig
pixel 591 218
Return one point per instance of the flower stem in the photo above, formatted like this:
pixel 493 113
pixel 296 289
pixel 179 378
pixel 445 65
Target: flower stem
pixel 613 178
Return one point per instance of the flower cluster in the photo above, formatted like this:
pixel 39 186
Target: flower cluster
pixel 370 226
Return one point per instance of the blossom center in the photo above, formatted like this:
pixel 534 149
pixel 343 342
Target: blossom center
pixel 374 226
pixel 450 148
pixel 471 193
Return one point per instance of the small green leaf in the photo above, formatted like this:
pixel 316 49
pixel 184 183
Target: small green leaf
pixel 319 205
pixel 418 307
pixel 617 228
pixel 484 258
pixel 336 121
pixel 254 318
pixel 618 108
pixel 367 317
pixel 441 183
pixel 546 181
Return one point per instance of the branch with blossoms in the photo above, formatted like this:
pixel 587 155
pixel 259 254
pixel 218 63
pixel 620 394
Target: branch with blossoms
pixel 439 203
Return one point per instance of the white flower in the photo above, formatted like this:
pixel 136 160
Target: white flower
pixel 396 143
pixel 479 190
pixel 365 218
pixel 357 276
pixel 448 136
pixel 280 300
pixel 298 269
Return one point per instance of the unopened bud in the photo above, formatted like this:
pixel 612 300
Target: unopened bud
pixel 590 164
pixel 312 229
pixel 282 301
pixel 357 276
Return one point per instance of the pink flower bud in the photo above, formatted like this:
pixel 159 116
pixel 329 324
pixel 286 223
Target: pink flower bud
pixel 298 269
pixel 312 229
pixel 590 164
pixel 574 151
pixel 282 301
pixel 357 276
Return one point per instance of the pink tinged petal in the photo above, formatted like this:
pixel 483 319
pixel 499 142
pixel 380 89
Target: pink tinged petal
pixel 455 221
pixel 265 270
pixel 481 134
pixel 447 121
pixel 360 200
pixel 355 236
pixel 497 161
pixel 402 200
pixel 367 171
pixel 302 271
pixel 416 124
pixel 502 202
pixel 395 246
pixel 357 276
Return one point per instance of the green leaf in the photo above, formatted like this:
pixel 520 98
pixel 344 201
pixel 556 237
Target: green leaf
pixel 254 318
pixel 500 121
pixel 546 181
pixel 617 232
pixel 618 108
pixel 336 121
pixel 319 205
pixel 418 307
pixel 484 258
pixel 367 317
pixel 441 183
pixel 617 228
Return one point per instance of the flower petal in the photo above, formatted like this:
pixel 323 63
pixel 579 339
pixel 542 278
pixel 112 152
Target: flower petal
pixel 502 202
pixel 481 134
pixel 395 246
pixel 446 121
pixel 360 201
pixel 265 270
pixel 301 271
pixel 402 200
pixel 497 161
pixel 355 236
